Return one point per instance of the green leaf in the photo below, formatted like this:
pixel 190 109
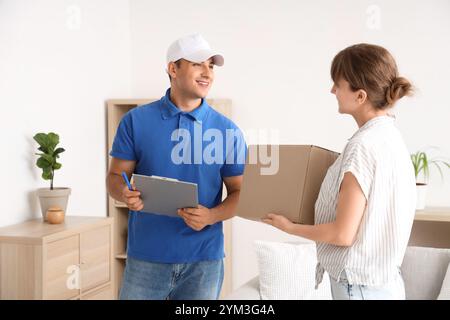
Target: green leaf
pixel 415 164
pixel 47 174
pixel 42 140
pixel 422 163
pixel 49 158
pixel 43 149
pixel 439 168
pixel 426 168
pixel 53 139
pixel 57 166
pixel 58 151
pixel 42 163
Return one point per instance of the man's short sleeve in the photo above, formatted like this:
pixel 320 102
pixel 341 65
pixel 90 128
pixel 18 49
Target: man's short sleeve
pixel 236 151
pixel 123 145
pixel 360 161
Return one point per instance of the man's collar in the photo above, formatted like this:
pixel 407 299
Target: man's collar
pixel 169 109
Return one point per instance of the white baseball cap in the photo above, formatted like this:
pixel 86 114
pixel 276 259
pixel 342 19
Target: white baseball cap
pixel 193 48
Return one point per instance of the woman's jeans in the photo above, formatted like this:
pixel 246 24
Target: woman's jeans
pixel 145 280
pixel 342 290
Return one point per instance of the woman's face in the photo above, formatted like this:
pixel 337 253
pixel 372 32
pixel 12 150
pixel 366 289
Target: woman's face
pixel 347 99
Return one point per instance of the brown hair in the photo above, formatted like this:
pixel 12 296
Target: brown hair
pixel 373 69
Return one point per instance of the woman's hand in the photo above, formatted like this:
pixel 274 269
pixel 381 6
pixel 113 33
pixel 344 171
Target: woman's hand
pixel 279 221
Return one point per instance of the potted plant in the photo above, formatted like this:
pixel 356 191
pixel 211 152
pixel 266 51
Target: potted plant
pixel 50 197
pixel 422 163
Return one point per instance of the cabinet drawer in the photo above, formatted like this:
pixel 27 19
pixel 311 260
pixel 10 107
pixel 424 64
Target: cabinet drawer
pixel 105 293
pixel 61 279
pixel 95 257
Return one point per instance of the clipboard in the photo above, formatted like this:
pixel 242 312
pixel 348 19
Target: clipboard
pixel 165 196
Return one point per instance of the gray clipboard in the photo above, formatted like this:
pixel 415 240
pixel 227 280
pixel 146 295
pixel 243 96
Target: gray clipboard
pixel 165 195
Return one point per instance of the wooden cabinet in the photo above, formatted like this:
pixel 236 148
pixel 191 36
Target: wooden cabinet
pixel 431 228
pixel 95 257
pixel 60 256
pixel 103 293
pixel 72 260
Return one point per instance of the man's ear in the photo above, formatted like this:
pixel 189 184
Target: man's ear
pixel 361 98
pixel 172 69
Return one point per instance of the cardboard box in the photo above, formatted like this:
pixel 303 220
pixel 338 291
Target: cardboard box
pixel 292 190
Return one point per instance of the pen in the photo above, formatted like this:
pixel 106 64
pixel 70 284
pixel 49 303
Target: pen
pixel 124 175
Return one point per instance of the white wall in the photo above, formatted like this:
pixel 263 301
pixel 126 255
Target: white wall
pixel 277 59
pixel 59 62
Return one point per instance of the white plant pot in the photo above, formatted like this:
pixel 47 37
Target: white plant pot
pixel 421 196
pixel 57 197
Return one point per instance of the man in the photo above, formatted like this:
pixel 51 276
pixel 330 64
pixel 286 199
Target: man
pixel 179 258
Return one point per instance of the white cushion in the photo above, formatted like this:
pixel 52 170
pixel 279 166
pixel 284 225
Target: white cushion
pixel 423 270
pixel 445 289
pixel 287 271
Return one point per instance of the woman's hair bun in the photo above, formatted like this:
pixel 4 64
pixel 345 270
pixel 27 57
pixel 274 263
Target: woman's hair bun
pixel 399 88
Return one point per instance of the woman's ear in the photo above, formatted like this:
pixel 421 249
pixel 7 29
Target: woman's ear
pixel 361 97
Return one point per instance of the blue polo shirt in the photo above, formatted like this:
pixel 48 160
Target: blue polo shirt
pixel 202 147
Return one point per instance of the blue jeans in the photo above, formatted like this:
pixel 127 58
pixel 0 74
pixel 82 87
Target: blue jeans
pixel 145 280
pixel 342 290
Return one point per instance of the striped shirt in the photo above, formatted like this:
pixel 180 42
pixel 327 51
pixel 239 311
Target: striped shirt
pixel 378 158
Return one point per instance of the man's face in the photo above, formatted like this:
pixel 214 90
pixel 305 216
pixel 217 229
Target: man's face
pixel 191 78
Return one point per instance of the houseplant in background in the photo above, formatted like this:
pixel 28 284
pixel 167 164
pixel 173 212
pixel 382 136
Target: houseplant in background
pixel 422 163
pixel 51 199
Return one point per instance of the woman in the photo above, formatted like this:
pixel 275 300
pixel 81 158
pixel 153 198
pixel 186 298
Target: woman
pixel 366 205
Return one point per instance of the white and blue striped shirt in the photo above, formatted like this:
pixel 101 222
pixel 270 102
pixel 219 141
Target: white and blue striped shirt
pixel 378 158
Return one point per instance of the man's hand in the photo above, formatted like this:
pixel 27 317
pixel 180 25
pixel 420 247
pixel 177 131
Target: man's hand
pixel 197 218
pixel 132 199
pixel 279 221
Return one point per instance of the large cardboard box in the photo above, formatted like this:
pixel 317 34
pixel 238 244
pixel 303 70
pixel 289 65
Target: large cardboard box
pixel 292 190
